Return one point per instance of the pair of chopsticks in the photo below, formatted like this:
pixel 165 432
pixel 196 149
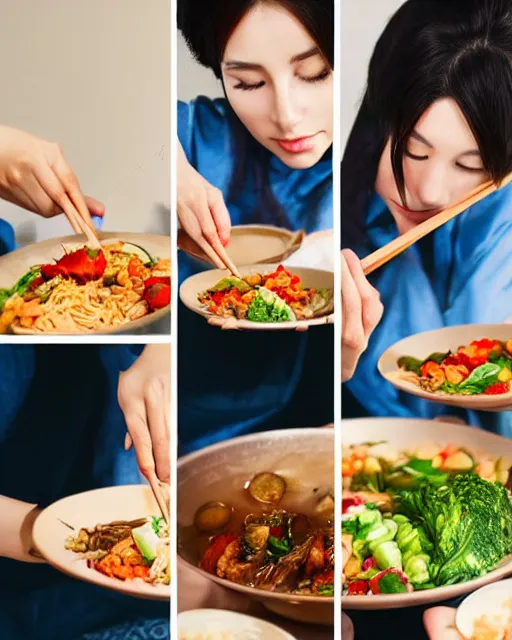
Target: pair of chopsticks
pixel 396 247
pixel 217 255
pixel 162 495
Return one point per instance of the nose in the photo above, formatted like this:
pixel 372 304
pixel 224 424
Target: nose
pixel 434 187
pixel 287 111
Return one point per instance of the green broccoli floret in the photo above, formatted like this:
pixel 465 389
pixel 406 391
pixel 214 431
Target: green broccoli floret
pixel 469 523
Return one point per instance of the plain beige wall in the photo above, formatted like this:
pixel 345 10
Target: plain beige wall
pixel 362 22
pixel 193 79
pixel 93 75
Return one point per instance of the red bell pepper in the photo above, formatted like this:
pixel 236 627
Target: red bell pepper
pixel 358 588
pixel 497 388
pixel 215 551
pixel 157 292
pixel 82 265
pixel 346 503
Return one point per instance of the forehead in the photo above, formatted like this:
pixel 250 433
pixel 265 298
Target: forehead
pixel 444 125
pixel 267 33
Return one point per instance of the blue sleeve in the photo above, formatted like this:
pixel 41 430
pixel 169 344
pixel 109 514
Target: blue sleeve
pixel 482 278
pixel 205 134
pixel 7 241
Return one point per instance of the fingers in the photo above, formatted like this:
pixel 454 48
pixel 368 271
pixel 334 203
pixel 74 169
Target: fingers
pixel 220 215
pixel 224 323
pixel 361 312
pixel 440 624
pixel 371 306
pixel 157 396
pixel 72 189
pixel 96 208
pixel 191 225
pixel 55 190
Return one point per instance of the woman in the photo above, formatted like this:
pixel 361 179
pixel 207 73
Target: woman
pixel 263 154
pixel 65 413
pixel 62 431
pixel 434 124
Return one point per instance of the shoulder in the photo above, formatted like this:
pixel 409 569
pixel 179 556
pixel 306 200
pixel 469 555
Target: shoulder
pixel 202 120
pixel 487 222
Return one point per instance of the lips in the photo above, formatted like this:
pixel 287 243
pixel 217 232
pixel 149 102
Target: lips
pixel 416 216
pixel 297 145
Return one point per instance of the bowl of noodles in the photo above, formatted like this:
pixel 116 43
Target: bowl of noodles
pixel 60 286
pixel 112 537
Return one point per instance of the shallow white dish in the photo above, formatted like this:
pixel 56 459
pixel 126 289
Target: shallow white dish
pixel 421 345
pixel 88 509
pixel 218 624
pixel 490 600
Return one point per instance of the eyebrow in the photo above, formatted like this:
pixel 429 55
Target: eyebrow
pixel 239 64
pixel 420 138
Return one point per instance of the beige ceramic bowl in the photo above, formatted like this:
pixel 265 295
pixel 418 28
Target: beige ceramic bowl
pixel 304 457
pixel 226 624
pixel 14 265
pixel 493 600
pixel 404 433
pixel 88 509
pixel 251 244
pixel 422 345
pixel 194 285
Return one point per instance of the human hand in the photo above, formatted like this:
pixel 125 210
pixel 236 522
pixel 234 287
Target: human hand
pixel 35 175
pixel 362 311
pixel 440 624
pixel 202 212
pixel 144 394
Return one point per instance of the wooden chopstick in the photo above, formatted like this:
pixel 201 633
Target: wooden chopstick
pixel 160 497
pixel 403 242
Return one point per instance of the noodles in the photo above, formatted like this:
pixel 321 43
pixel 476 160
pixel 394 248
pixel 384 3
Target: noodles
pixel 64 298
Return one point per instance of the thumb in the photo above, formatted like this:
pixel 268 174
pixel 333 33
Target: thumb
pixel 96 208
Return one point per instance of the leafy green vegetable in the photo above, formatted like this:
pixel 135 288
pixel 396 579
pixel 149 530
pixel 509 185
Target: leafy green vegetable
pixel 480 378
pixel 147 541
pixel 469 523
pixel 391 583
pixel 410 364
pixel 278 547
pixel 437 357
pixel 326 590
pixel 269 307
pixel 20 287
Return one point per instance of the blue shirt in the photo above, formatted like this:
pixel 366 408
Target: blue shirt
pixel 460 274
pixel 233 382
pixel 62 432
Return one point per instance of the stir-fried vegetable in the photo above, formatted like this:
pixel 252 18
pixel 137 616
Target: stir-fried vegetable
pixel 274 297
pixel 485 366
pixel 267 487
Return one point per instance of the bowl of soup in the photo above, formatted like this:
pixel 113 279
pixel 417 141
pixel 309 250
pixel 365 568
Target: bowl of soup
pixel 256 515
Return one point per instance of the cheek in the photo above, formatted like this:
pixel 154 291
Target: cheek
pixel 251 107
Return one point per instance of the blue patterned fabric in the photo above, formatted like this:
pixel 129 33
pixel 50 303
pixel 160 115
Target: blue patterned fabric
pixel 232 383
pixel 460 274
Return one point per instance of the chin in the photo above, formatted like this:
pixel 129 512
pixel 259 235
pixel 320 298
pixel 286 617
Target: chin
pixel 300 160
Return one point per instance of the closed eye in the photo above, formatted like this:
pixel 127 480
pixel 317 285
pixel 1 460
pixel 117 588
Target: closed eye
pixel 319 77
pixel 470 169
pixel 245 86
pixel 414 157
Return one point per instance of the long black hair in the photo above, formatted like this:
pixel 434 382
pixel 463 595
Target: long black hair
pixel 207 26
pixel 430 49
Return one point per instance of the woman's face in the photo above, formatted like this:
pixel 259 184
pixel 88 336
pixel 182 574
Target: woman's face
pixel 441 165
pixel 279 85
